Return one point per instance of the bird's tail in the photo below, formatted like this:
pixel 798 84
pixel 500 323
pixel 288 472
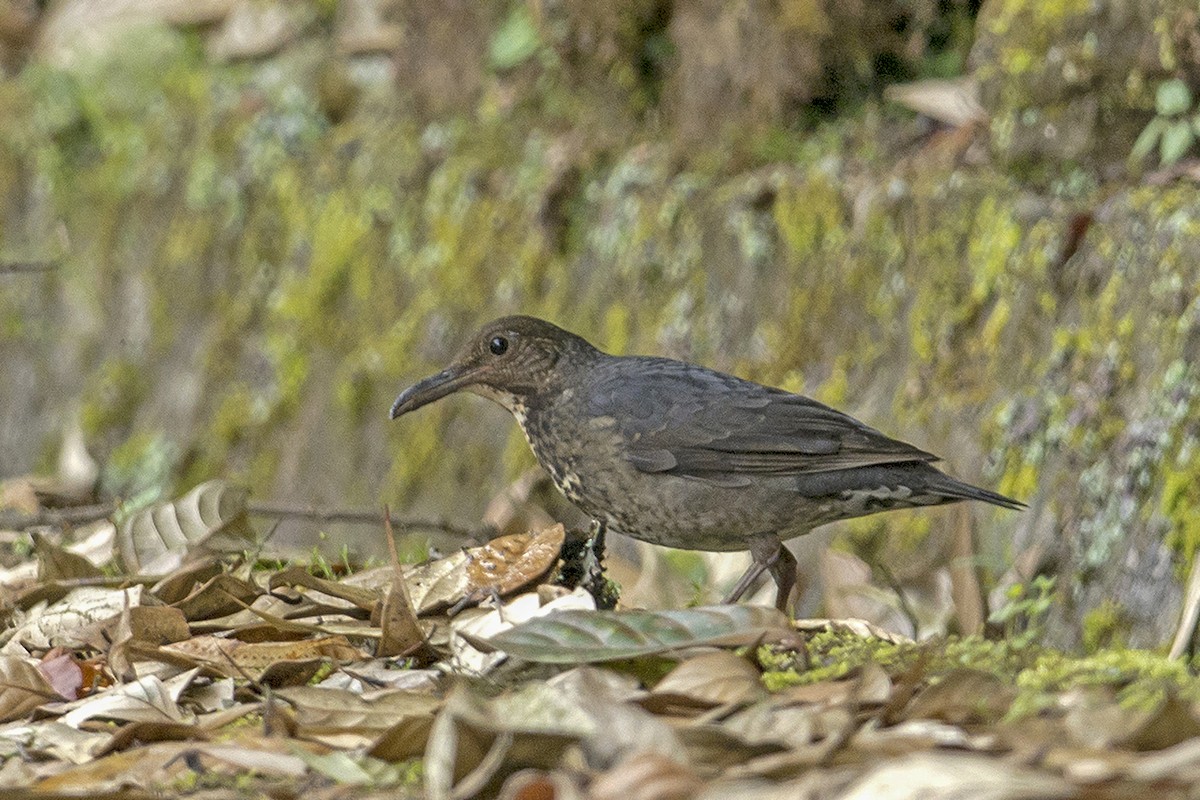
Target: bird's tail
pixel 954 489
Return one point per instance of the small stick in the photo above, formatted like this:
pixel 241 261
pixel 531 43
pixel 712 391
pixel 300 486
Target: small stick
pixel 19 267
pixel 355 515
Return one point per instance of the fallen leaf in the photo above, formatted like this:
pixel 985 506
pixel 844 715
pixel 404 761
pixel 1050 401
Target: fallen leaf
pixel 63 622
pixel 938 776
pixel 646 776
pixel 334 710
pixel 712 679
pixel 572 637
pixel 961 697
pixel 23 688
pixel 509 563
pixel 158 539
pixel 221 595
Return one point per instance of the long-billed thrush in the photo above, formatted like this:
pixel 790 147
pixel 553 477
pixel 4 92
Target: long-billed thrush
pixel 679 455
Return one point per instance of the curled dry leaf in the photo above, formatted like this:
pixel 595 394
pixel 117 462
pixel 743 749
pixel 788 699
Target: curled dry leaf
pixel 157 539
pixel 57 563
pixel 144 700
pixel 363 598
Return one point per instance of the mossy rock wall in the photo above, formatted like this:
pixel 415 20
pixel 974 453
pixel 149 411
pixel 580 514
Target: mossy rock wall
pixel 243 285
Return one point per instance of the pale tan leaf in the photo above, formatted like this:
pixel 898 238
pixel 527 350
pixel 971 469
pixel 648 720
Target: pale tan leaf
pixel 23 688
pixel 939 776
pixel 646 776
pixel 64 622
pixel 157 539
pixel 321 710
pixel 438 584
pixel 712 679
pixel 147 699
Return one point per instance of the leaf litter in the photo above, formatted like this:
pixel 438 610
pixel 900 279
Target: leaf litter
pixel 156 656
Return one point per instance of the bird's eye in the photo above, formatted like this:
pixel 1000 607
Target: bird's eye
pixel 498 345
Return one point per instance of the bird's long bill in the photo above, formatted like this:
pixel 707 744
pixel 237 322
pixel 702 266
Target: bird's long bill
pixel 435 387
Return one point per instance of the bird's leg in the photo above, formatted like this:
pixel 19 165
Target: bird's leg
pixel 744 582
pixel 593 580
pixel 596 541
pixel 769 554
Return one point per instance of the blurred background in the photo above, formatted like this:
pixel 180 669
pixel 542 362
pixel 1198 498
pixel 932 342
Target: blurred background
pixel 232 230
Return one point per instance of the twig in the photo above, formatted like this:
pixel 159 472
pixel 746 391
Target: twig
pixel 76 515
pixel 354 515
pixel 905 607
pixel 83 514
pixel 18 267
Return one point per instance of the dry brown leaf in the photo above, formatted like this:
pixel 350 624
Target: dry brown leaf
pixel 713 679
pixel 438 584
pixel 237 659
pixel 961 697
pixel 23 688
pixel 510 563
pixel 360 597
pixel 57 563
pixel 321 710
pixel 135 734
pixel 401 632
pixel 405 739
pixel 186 579
pixel 221 595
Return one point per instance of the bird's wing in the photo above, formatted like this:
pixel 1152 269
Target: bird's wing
pixel 686 420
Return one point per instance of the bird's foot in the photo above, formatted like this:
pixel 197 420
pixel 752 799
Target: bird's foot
pixel 602 590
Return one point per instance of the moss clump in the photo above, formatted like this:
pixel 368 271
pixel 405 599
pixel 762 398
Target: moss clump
pixel 1140 678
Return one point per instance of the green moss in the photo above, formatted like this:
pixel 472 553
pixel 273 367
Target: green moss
pixel 1140 678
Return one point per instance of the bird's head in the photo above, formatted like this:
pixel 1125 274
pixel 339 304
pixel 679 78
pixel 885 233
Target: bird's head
pixel 508 360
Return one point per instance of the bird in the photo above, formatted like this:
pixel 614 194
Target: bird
pixel 676 454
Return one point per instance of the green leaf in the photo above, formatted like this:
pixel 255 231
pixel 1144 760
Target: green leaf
pixel 516 40
pixel 1148 138
pixel 573 637
pixel 1175 142
pixel 1172 98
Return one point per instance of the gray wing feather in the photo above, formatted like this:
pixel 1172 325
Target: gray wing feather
pixel 681 419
